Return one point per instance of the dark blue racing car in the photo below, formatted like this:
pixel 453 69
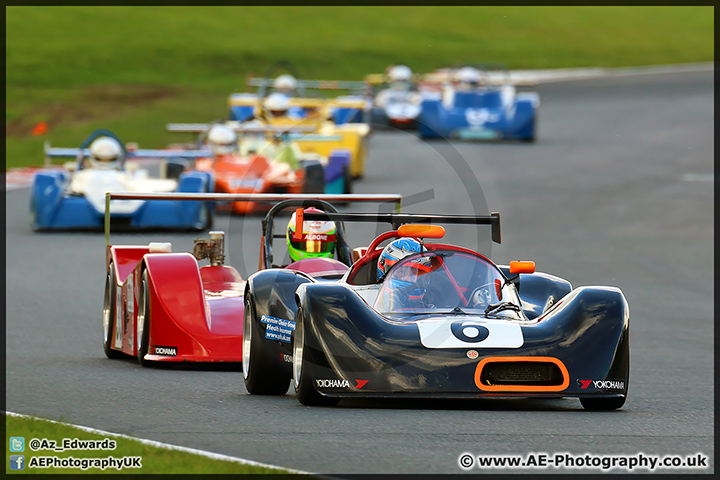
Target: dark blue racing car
pixel 434 320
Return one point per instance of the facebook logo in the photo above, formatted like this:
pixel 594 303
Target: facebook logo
pixel 17 462
pixel 17 444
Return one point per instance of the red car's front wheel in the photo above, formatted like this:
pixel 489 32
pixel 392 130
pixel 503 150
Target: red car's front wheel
pixel 110 314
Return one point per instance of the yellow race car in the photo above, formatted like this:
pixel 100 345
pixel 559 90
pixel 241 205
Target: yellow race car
pixel 283 103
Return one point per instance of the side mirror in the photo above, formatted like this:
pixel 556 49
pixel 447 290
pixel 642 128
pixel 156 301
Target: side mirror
pixel 522 267
pixel 358 253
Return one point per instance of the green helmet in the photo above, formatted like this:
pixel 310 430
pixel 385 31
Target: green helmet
pixel 317 238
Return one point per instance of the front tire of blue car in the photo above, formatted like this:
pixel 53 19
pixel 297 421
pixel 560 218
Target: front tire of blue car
pixel 206 217
pixel 262 371
pixel 304 388
pixel 109 314
pixel 533 136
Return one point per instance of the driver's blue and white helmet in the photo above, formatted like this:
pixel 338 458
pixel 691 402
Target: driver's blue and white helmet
pixel 396 251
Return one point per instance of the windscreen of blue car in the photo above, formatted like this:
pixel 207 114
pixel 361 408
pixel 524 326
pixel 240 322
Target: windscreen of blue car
pixel 441 281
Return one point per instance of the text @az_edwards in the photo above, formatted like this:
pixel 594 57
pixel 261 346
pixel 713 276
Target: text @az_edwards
pixel 38 444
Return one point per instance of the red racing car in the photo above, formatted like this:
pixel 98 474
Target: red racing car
pixel 162 306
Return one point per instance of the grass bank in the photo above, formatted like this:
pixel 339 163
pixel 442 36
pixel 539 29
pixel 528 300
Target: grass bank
pixel 126 451
pixel 133 69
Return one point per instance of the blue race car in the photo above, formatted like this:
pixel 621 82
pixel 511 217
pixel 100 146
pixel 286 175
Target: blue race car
pixel 478 103
pixel 73 198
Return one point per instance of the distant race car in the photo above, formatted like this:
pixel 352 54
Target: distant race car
pixel 305 100
pixel 492 110
pixel 342 117
pixel 261 165
pixel 396 99
pixel 162 306
pixel 73 197
pixel 445 322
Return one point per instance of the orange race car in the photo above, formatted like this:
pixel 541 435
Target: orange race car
pixel 266 160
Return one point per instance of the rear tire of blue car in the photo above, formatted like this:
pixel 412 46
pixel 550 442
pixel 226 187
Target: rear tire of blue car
pixel 142 331
pixel 263 372
pixel 173 169
pixel 304 388
pixel 109 314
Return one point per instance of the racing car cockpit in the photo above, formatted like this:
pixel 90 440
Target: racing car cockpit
pixel 447 281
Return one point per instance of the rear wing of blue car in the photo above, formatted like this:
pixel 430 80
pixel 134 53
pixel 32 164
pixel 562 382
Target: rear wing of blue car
pixel 81 153
pixel 397 219
pixel 142 153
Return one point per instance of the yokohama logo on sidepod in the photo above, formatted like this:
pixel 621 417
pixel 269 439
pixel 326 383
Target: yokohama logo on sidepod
pixel 169 351
pixel 606 384
pixel 334 383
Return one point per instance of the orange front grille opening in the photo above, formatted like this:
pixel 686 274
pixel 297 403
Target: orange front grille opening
pixel 527 374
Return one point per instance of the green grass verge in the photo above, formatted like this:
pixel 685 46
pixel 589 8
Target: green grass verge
pixel 154 459
pixel 133 69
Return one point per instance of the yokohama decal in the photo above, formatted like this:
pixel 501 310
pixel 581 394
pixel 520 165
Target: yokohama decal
pixel 168 351
pixel 606 384
pixel 335 383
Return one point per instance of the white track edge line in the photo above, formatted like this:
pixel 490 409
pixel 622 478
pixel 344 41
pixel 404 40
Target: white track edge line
pixel 167 446
pixel 536 77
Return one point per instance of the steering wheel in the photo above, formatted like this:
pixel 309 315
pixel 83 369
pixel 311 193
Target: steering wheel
pixel 401 296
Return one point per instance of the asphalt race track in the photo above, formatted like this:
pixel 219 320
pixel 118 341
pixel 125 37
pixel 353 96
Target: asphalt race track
pixel 618 190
